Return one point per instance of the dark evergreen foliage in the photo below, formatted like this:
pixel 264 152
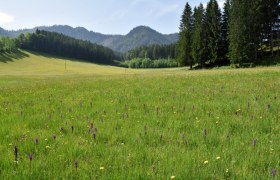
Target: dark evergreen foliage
pixel 148 63
pixel 152 52
pixel 199 37
pixel 61 45
pixel 183 48
pixel 243 34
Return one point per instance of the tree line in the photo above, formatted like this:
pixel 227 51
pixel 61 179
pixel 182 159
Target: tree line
pixel 148 63
pixel 152 52
pixel 243 33
pixel 58 44
pixel 61 45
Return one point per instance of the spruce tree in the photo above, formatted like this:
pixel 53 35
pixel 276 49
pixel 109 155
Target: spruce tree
pixel 184 44
pixel 242 33
pixel 198 38
pixel 225 32
pixel 213 32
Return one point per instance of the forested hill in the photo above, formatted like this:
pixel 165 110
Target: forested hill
pixel 139 36
pixel 61 45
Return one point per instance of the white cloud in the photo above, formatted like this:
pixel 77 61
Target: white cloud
pixel 6 18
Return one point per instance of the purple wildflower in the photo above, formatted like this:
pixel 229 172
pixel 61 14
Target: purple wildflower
pixel 16 153
pixel 93 135
pixel 54 136
pixel 30 157
pixel 36 141
pixel 254 142
pixel 72 129
pixel 76 164
pixel 273 172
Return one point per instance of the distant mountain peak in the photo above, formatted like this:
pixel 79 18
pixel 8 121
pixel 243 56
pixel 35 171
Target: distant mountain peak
pixel 141 29
pixel 138 36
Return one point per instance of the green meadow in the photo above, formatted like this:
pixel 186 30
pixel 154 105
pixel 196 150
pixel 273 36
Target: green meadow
pixel 90 121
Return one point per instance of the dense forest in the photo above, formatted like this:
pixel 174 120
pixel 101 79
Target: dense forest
pixel 152 52
pixel 246 32
pixel 60 45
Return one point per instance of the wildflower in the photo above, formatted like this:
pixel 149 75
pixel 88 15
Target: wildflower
pixel 172 177
pixel 254 142
pixel 54 136
pixel 226 170
pixel 218 157
pixel 93 135
pixel 204 134
pixel 101 168
pixel 30 157
pixel 72 129
pixel 10 144
pixel 46 139
pixel 76 164
pixel 48 147
pixel 205 162
pixel 16 153
pixel 36 141
pixel 273 172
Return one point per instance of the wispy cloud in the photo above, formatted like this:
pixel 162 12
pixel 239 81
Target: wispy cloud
pixel 6 18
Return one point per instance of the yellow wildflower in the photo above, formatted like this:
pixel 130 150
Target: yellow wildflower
pixel 218 157
pixel 101 168
pixel 172 177
pixel 205 162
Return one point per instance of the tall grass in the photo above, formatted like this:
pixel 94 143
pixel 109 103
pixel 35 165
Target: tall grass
pixel 219 124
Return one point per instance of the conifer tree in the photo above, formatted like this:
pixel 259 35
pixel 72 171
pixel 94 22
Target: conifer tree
pixel 198 38
pixel 225 32
pixel 213 32
pixel 184 44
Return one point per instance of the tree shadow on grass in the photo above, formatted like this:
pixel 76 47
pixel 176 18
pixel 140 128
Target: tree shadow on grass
pixel 12 56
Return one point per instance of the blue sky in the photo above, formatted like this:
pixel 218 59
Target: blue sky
pixel 105 16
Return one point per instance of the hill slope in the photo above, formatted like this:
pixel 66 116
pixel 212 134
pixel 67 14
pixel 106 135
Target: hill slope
pixel 29 63
pixel 139 36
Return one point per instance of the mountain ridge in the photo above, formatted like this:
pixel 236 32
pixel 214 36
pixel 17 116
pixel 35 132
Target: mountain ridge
pixel 138 36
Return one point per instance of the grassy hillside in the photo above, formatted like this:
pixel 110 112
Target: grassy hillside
pixel 27 63
pixel 95 122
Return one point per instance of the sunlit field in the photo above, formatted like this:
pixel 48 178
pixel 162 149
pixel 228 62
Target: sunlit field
pixel 102 122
